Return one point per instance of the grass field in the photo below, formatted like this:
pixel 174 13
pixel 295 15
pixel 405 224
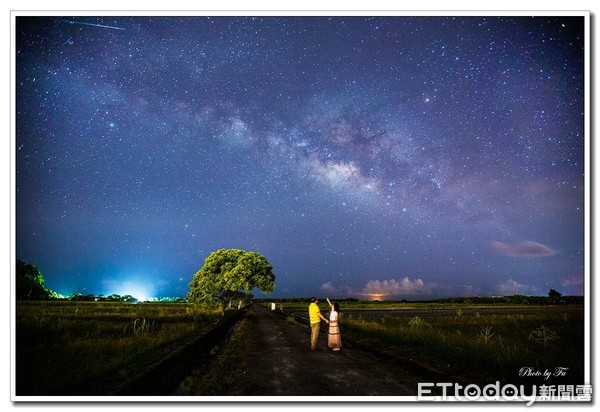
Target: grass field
pixel 479 343
pixel 89 348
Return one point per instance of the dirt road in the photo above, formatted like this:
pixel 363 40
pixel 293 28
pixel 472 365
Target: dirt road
pixel 274 359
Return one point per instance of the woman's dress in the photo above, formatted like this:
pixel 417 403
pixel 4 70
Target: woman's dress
pixel 335 339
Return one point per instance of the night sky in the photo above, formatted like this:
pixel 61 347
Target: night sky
pixel 389 157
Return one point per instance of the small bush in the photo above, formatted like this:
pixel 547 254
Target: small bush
pixel 486 334
pixel 141 327
pixel 417 323
pixel 543 335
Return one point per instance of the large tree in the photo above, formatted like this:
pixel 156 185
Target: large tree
pixel 30 283
pixel 226 274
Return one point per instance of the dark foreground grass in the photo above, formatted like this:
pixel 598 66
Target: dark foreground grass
pixel 506 347
pixel 227 372
pixel 482 343
pixel 90 348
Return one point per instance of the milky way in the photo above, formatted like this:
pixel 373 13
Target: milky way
pixel 396 156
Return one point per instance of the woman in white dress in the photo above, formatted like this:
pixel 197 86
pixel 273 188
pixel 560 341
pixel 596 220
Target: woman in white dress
pixel 334 340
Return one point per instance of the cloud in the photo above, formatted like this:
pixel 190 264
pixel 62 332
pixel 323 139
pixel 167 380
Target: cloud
pixel 331 290
pixel 382 289
pixel 393 287
pixel 574 281
pixel 512 287
pixel 327 287
pixel 575 285
pixel 524 249
pixel 470 291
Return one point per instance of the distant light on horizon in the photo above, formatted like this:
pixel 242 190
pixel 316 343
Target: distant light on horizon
pixel 140 291
pixel 376 296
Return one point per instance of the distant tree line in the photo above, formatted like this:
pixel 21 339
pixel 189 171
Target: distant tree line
pixel 30 285
pixel 118 298
pixel 553 298
pixel 101 298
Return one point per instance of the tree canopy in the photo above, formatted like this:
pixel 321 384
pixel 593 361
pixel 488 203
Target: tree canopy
pixel 227 274
pixel 30 284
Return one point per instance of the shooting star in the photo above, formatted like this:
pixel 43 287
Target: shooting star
pixel 92 24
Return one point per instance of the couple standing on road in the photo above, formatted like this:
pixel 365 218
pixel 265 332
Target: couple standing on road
pixel 334 340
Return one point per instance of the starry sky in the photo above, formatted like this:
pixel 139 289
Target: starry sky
pixel 390 157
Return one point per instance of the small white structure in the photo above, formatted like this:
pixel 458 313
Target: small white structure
pixel 273 306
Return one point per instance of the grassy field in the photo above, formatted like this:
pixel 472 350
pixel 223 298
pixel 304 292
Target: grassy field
pixel 476 343
pixel 89 348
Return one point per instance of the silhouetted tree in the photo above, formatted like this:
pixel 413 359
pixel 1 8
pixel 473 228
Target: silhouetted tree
pixel 554 294
pixel 128 298
pixel 555 297
pixel 30 283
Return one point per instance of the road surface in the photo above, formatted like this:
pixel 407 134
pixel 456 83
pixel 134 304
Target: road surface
pixel 275 355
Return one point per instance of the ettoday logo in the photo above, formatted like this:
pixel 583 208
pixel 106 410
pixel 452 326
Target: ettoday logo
pixel 472 392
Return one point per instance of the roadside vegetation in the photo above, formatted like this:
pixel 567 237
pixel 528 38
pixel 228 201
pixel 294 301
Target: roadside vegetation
pixel 483 348
pixel 89 348
pixel 473 342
